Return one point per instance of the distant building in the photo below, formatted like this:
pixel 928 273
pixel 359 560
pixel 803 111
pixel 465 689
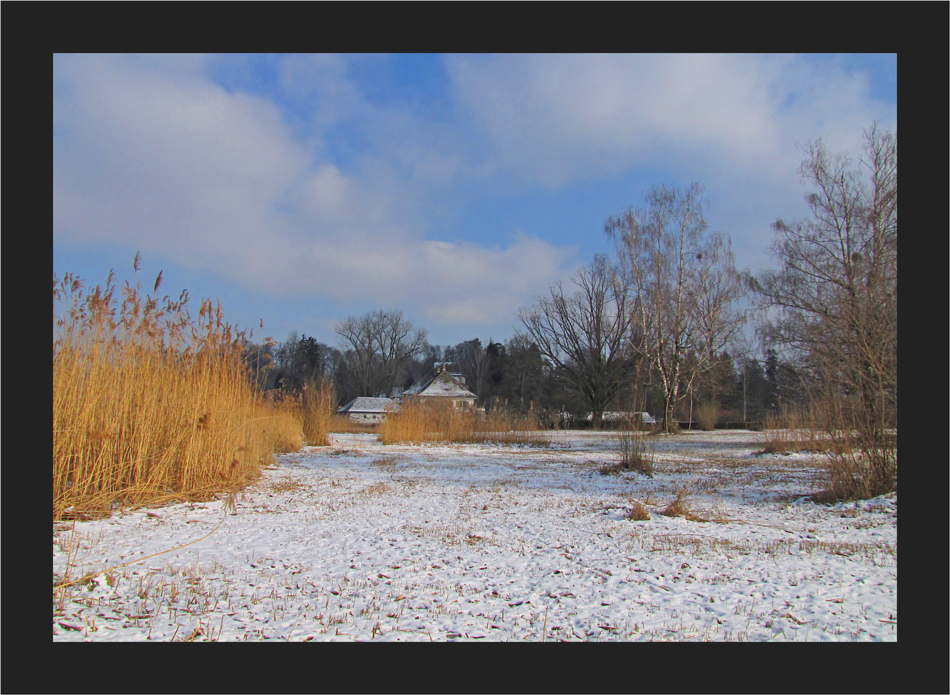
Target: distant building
pixel 613 416
pixel 442 387
pixel 368 410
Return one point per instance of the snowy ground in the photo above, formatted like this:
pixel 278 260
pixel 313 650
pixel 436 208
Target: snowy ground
pixel 360 541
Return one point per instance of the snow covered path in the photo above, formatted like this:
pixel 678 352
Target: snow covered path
pixel 360 541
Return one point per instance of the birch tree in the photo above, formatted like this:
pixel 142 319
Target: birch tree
pixel 683 287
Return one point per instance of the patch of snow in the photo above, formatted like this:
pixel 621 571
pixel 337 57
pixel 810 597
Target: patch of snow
pixel 360 541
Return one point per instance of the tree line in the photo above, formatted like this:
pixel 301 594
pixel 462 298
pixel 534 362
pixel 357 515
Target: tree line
pixel 659 324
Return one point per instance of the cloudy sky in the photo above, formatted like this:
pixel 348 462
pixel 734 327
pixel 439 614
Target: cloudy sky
pixel 302 189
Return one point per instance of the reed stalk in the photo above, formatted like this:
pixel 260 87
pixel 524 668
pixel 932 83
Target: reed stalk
pixel 418 422
pixel 149 403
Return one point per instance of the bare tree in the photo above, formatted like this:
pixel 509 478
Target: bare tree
pixel 376 349
pixel 834 299
pixel 585 334
pixel 524 376
pixel 683 284
pixel 470 357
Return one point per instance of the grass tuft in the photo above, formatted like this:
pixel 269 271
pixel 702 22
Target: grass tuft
pixel 681 507
pixel 638 512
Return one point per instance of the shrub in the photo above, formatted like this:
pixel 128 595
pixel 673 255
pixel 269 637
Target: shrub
pixel 635 455
pixel 707 414
pixel 863 463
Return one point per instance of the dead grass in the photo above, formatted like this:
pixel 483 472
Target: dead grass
pixel 286 485
pixel 794 431
pixel 638 512
pixel 707 413
pixel 875 553
pixel 859 467
pixel 343 423
pixel 416 423
pixel 680 506
pixel 149 404
pixel 387 463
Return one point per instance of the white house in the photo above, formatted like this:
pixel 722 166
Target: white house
pixel 368 410
pixel 442 387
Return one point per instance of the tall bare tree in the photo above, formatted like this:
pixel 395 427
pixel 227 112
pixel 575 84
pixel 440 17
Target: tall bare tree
pixel 377 346
pixel 524 374
pixel 834 299
pixel 683 287
pixel 584 335
pixel 470 357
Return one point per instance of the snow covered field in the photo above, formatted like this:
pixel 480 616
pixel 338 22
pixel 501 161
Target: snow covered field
pixel 360 541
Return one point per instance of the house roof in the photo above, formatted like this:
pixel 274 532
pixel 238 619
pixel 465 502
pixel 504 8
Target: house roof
pixel 364 404
pixel 441 385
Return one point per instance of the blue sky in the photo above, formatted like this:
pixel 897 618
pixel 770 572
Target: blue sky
pixel 302 189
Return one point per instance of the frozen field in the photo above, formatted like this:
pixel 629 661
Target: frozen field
pixel 360 541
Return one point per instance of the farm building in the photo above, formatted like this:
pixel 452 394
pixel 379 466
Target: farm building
pixel 368 410
pixel 442 387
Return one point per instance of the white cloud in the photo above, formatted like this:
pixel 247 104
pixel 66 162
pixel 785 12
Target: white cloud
pixel 554 119
pixel 732 122
pixel 154 155
pixel 313 189
pixel 166 159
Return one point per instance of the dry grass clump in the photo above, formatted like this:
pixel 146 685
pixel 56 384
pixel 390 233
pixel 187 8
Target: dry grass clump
pixel 418 422
pixel 150 404
pixel 638 512
pixel 681 507
pixel 636 453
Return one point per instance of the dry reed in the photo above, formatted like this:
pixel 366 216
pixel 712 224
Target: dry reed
pixel 343 423
pixel 418 422
pixel 150 404
pixel 707 414
pixel 315 409
pixel 681 507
